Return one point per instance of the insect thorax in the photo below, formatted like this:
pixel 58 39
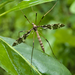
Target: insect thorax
pixel 34 27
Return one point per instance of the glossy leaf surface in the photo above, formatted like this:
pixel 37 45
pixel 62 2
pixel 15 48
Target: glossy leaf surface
pixel 17 61
pixel 25 4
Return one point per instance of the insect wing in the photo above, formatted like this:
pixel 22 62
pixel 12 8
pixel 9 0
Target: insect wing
pixel 46 26
pixel 21 39
pixel 54 26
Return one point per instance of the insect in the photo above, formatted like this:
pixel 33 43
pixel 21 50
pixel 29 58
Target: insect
pixel 35 29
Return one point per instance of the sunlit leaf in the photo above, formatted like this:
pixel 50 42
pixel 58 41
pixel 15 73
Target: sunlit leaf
pixel 25 4
pixel 72 7
pixel 18 61
pixel 5 2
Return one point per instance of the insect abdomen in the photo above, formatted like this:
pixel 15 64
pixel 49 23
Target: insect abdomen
pixel 41 44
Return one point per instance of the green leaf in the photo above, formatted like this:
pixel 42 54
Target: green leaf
pixel 17 61
pixel 72 7
pixel 5 2
pixel 25 4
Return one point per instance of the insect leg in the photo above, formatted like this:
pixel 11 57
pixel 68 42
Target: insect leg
pixel 26 17
pixel 32 49
pixel 49 45
pixel 46 13
pixel 35 13
pixel 23 37
pixel 36 18
pixel 21 31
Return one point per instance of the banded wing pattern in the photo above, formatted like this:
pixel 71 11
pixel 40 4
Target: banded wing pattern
pixel 54 26
pixel 22 38
pixel 35 29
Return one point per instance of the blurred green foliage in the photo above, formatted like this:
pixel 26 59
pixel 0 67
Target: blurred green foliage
pixel 62 40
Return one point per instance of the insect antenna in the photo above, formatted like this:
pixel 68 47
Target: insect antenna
pixel 46 13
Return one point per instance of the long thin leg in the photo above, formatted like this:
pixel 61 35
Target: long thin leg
pixel 36 18
pixel 23 37
pixel 32 55
pixel 32 49
pixel 26 17
pixel 21 31
pixel 47 13
pixel 49 45
pixel 32 8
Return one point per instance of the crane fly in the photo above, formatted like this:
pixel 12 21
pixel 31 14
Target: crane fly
pixel 35 29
